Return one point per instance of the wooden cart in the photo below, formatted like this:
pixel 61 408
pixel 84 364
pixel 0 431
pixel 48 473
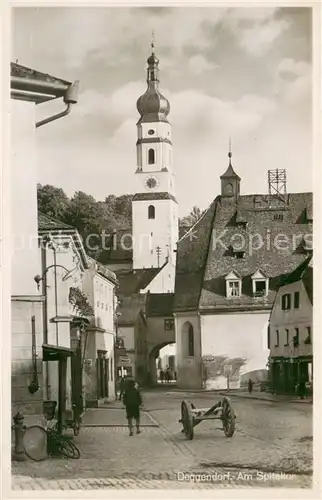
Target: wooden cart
pixel 191 416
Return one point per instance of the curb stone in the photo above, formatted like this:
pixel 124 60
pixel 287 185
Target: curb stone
pixel 260 398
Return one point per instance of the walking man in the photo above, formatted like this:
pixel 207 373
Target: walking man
pixel 250 386
pixel 132 401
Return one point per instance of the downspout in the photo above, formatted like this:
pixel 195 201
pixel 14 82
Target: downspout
pixel 56 295
pixel 45 320
pixel 70 97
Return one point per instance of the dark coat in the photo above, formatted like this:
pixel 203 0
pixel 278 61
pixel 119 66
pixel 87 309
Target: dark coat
pixel 132 396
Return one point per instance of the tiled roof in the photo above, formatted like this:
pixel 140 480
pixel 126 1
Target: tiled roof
pixel 153 196
pixel 130 308
pixel 46 223
pixel 204 258
pixel 159 304
pixel 119 246
pixel 131 282
pixel 192 250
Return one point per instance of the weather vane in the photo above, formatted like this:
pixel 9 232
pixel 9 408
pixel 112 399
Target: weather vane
pixel 153 41
pixel 230 153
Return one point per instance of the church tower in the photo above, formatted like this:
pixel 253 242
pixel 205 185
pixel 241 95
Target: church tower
pixel 154 206
pixel 230 181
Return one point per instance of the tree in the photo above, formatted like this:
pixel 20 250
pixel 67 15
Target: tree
pixel 52 201
pixel 85 214
pixel 192 218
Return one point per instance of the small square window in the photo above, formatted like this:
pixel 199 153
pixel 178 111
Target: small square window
pixel 260 288
pixel 234 288
pixel 278 217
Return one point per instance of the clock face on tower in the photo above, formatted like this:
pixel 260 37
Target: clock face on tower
pixel 151 182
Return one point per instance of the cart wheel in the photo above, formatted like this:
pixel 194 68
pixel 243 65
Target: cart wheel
pixel 35 443
pixel 187 419
pixel 228 417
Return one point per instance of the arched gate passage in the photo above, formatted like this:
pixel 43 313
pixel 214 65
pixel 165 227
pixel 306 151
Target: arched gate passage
pixel 153 356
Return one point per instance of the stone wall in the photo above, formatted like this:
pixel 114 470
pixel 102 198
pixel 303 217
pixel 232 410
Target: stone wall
pixel 22 371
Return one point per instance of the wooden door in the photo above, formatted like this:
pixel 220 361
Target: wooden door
pixel 77 385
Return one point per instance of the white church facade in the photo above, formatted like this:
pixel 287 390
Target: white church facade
pixel 154 206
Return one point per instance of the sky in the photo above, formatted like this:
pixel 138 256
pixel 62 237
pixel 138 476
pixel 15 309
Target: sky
pixel 244 73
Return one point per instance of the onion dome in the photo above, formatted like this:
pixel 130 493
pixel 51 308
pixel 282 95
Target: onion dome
pixel 152 105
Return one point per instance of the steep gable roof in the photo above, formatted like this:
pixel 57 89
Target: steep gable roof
pixel 46 223
pixel 130 309
pixel 119 247
pixel 159 304
pixel 304 273
pixel 49 225
pixel 131 282
pixel 192 250
pixel 204 262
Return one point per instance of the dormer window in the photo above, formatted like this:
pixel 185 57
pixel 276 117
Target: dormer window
pixel 260 284
pixel 309 214
pixel 236 251
pixel 304 247
pixel 233 285
pixel 278 217
pixel 241 220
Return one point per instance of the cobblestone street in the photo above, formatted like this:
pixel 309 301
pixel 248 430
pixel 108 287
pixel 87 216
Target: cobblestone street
pixel 269 438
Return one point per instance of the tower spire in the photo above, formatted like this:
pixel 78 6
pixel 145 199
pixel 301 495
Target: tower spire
pixel 229 152
pixel 153 41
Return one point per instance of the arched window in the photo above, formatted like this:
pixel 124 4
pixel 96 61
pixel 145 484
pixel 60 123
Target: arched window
pixel 188 339
pixel 151 212
pixel 191 347
pixel 151 156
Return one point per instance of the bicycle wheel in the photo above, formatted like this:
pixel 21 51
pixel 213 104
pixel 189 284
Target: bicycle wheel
pixel 68 449
pixel 35 443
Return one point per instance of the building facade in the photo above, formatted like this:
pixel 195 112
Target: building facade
pixel 147 269
pixel 227 277
pixel 154 206
pixel 28 89
pixel 290 334
pixel 99 285
pixel 132 332
pixel 64 262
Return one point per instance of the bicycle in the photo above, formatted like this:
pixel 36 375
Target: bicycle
pixel 39 443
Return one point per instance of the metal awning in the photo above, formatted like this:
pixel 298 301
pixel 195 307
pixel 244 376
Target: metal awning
pixel 55 352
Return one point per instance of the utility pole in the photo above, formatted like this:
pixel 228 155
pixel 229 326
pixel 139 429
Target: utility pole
pixel 158 250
